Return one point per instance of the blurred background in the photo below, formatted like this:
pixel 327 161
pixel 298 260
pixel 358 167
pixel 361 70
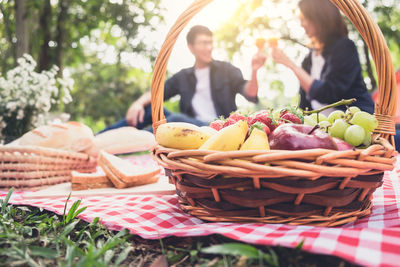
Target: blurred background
pixel 107 48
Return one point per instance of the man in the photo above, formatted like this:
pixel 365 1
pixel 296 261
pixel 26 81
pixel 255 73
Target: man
pixel 207 90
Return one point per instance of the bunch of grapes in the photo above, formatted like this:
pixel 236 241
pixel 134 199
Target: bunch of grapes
pixel 353 126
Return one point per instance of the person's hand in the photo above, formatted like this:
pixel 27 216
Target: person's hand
pixel 258 60
pixel 280 57
pixel 135 114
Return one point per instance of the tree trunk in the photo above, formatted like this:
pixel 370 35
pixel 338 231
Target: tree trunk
pixel 44 21
pixel 61 33
pixel 8 25
pixel 21 27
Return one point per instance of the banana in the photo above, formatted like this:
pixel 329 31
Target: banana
pixel 258 140
pixel 208 130
pixel 181 135
pixel 228 138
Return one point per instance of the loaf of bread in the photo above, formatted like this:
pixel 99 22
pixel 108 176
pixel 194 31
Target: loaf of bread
pixel 123 140
pixel 124 174
pixel 71 136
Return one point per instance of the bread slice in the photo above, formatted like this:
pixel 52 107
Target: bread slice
pixel 124 174
pixel 83 181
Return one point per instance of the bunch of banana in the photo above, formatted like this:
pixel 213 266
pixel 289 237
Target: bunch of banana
pixel 228 138
pixel 182 135
pixel 258 140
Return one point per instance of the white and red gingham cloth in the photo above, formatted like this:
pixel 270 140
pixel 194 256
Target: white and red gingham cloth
pixel 370 241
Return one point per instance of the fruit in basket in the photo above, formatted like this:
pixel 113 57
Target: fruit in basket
pixel 228 138
pixel 352 110
pixel 217 124
pixel 324 126
pixel 181 135
pixel 257 140
pixel 353 126
pixel 354 135
pixel 291 114
pixel 318 117
pixel 365 120
pixel 342 145
pixel 291 136
pixel 334 115
pixel 338 128
pixel 308 120
pixel 208 130
pixel 265 117
pixel 233 118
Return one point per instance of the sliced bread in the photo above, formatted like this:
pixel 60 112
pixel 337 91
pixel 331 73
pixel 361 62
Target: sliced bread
pixel 124 174
pixel 83 181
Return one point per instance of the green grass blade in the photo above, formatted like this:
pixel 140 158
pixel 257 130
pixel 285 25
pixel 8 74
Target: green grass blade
pixel 5 202
pixel 123 255
pixel 79 211
pixel 114 241
pixel 234 249
pixel 65 206
pixel 69 228
pixel 71 212
pixel 43 252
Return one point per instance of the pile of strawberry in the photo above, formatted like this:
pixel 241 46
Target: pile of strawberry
pixel 263 119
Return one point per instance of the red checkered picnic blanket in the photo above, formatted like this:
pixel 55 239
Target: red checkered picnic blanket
pixel 370 241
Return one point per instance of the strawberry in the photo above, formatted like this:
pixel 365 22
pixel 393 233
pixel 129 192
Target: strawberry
pixel 236 116
pixel 233 118
pixel 291 114
pixel 217 124
pixel 261 126
pixel 265 117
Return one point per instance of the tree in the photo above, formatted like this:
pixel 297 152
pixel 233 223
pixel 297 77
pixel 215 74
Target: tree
pixel 61 32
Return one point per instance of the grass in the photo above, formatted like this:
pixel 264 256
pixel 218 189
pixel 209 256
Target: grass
pixel 31 236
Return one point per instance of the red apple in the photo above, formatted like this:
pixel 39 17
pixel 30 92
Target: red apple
pixel 290 136
pixel 342 145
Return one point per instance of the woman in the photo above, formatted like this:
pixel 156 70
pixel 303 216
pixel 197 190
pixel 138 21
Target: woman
pixel 332 69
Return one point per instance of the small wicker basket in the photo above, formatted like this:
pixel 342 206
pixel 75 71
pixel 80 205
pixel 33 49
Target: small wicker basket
pixel 30 167
pixel 315 187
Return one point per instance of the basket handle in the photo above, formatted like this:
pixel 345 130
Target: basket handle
pixel 385 109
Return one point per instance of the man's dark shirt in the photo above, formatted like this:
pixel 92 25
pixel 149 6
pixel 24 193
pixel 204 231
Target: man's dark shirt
pixel 226 82
pixel 340 77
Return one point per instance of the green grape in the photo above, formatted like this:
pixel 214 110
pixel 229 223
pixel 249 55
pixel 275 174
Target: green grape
pixel 337 114
pixel 318 117
pixel 367 139
pixel 352 110
pixel 354 135
pixel 365 120
pixel 324 125
pixel 338 128
pixel 308 120
pixel 275 114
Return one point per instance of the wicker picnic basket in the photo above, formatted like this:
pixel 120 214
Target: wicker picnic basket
pixel 314 187
pixel 31 167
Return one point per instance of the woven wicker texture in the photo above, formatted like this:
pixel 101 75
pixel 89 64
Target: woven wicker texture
pixel 34 167
pixel 316 186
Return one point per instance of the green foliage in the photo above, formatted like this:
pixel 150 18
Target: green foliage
pixel 105 91
pixel 92 40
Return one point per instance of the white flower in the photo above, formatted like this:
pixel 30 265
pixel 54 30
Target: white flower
pixel 23 87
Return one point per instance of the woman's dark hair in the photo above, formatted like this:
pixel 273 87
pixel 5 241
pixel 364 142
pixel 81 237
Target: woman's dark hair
pixel 326 18
pixel 196 30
